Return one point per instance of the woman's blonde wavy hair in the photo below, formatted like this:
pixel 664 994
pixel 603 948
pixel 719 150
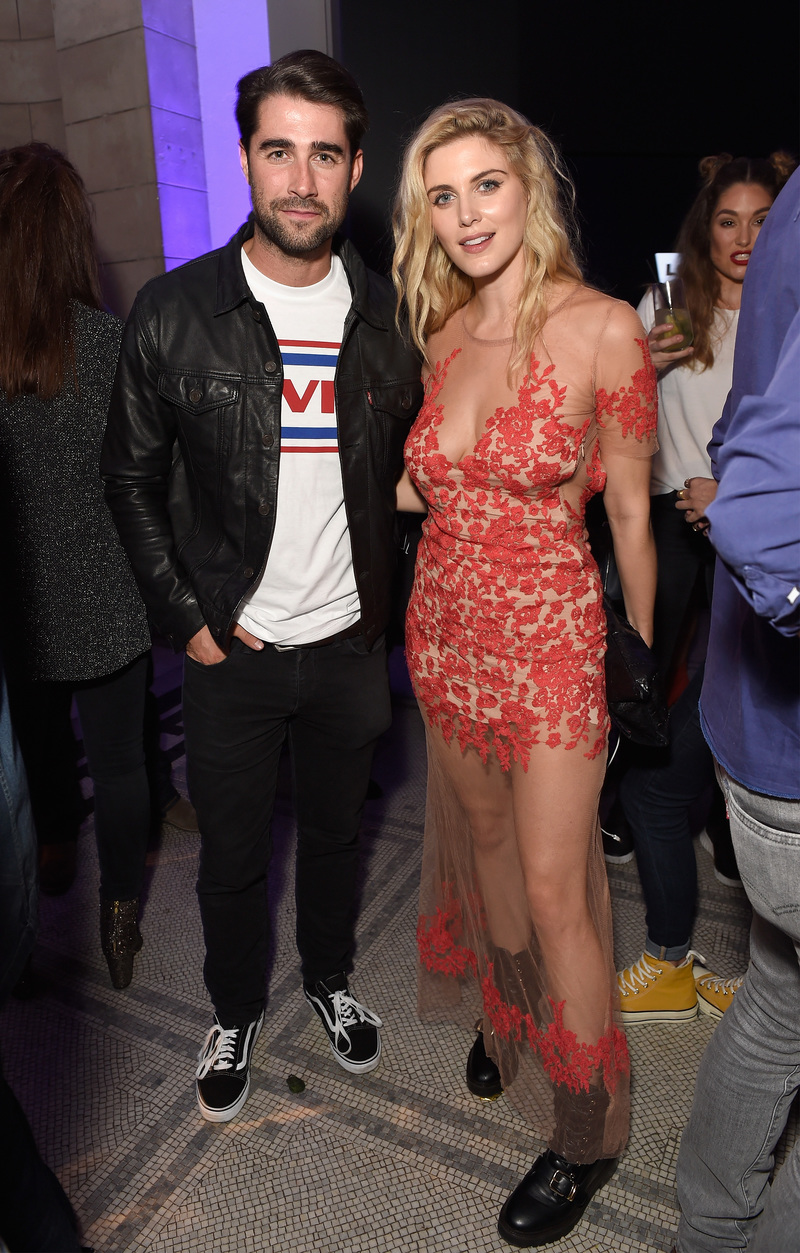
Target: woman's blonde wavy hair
pixel 426 280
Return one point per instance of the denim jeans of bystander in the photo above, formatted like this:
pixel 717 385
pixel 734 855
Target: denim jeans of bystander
pixel 750 1072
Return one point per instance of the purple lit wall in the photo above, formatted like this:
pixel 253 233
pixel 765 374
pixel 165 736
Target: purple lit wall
pixel 176 128
pixel 232 37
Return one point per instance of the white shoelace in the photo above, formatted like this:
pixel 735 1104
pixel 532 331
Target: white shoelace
pixel 715 983
pixel 219 1050
pixel 348 1012
pixel 637 977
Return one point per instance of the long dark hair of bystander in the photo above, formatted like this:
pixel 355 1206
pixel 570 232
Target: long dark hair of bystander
pixel 47 259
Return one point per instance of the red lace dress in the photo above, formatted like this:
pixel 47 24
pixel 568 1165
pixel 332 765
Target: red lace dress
pixel 505 640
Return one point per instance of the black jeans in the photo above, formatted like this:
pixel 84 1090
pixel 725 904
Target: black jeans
pixel 111 711
pixel 333 703
pixel 685 557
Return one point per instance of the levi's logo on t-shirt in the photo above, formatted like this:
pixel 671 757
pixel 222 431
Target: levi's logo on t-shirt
pixel 308 421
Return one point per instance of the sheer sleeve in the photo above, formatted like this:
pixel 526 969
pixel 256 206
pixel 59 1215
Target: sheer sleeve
pixel 625 392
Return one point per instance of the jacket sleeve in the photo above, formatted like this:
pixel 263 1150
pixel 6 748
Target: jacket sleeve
pixel 136 465
pixel 755 518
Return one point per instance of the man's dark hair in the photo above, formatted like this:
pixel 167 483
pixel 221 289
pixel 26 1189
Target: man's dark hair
pixel 311 76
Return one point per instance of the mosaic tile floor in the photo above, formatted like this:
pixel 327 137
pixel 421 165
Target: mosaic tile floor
pixel 402 1160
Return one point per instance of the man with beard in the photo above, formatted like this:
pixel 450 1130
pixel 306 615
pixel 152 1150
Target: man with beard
pixel 254 440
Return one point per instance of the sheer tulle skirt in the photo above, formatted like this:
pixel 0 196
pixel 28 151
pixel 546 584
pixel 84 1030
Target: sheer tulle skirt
pixel 549 1011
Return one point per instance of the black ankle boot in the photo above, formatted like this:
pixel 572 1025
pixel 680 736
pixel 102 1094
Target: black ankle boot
pixel 120 938
pixel 550 1200
pixel 483 1077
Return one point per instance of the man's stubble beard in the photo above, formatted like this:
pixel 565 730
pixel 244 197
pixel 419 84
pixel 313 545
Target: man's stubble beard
pixel 298 241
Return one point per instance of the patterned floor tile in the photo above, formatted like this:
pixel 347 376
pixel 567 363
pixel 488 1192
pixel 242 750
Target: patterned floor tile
pixel 402 1159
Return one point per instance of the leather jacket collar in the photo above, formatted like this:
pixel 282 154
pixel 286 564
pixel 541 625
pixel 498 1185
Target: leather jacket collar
pixel 232 287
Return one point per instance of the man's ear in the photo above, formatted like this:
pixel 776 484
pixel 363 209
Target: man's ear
pixel 356 169
pixel 244 163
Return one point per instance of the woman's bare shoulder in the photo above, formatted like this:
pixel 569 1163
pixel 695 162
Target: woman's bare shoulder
pixel 596 316
pixel 593 305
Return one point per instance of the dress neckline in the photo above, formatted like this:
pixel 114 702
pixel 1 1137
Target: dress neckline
pixel 477 339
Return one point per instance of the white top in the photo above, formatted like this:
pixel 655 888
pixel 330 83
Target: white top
pixel 689 403
pixel 308 588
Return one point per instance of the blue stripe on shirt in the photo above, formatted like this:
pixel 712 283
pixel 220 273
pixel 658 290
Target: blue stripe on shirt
pixel 307 358
pixel 309 432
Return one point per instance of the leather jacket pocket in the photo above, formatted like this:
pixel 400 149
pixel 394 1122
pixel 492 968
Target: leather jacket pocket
pixel 398 400
pixel 201 400
pixel 396 405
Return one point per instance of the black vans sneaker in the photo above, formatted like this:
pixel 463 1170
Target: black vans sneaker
pixel 352 1029
pixel 223 1073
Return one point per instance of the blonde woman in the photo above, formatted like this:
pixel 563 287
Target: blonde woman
pixel 539 392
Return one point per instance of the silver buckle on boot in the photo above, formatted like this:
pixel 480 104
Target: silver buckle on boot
pixel 563 1185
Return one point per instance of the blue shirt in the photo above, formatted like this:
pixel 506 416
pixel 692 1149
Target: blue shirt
pixel 750 703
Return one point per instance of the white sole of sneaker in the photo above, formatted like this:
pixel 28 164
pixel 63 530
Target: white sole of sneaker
pixel 630 1017
pixel 706 1007
pixel 230 1111
pixel 357 1068
pixel 222 1115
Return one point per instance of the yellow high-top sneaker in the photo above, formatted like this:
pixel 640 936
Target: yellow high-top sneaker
pixel 656 991
pixel 714 994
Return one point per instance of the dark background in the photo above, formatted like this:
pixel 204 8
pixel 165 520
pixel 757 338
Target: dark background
pixel 633 97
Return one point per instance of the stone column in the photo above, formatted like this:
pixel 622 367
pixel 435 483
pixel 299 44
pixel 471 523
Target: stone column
pixel 129 94
pixel 30 93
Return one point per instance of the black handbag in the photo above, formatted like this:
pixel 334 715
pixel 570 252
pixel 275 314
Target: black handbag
pixel 636 702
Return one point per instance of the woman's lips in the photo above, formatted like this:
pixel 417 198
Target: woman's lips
pixel 740 258
pixel 477 243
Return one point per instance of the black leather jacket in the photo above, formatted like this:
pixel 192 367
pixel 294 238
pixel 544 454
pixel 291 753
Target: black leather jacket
pixel 192 450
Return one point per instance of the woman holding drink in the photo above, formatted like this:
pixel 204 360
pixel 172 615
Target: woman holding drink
pixel 715 242
pixel 539 392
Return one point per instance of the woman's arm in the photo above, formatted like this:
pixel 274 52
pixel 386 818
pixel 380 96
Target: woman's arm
pixel 627 502
pixel 408 498
pixel 625 406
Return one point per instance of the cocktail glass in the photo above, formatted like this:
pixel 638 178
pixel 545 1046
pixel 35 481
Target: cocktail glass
pixel 669 299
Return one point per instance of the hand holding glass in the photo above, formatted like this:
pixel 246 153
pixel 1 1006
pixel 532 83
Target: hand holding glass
pixel 669 300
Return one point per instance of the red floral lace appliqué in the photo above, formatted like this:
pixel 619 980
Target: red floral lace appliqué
pixel 633 409
pixel 565 1059
pixel 505 632
pixel 438 940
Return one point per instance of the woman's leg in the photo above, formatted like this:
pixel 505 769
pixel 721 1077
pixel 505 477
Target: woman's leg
pixel 112 720
pixel 41 715
pixel 555 815
pixel 531 853
pixel 543 899
pixel 479 803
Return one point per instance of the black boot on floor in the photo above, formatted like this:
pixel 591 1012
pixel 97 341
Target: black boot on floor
pixel 120 938
pixel 483 1077
pixel 550 1200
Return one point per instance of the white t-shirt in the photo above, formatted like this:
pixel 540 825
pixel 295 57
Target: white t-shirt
pixel 308 588
pixel 689 403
